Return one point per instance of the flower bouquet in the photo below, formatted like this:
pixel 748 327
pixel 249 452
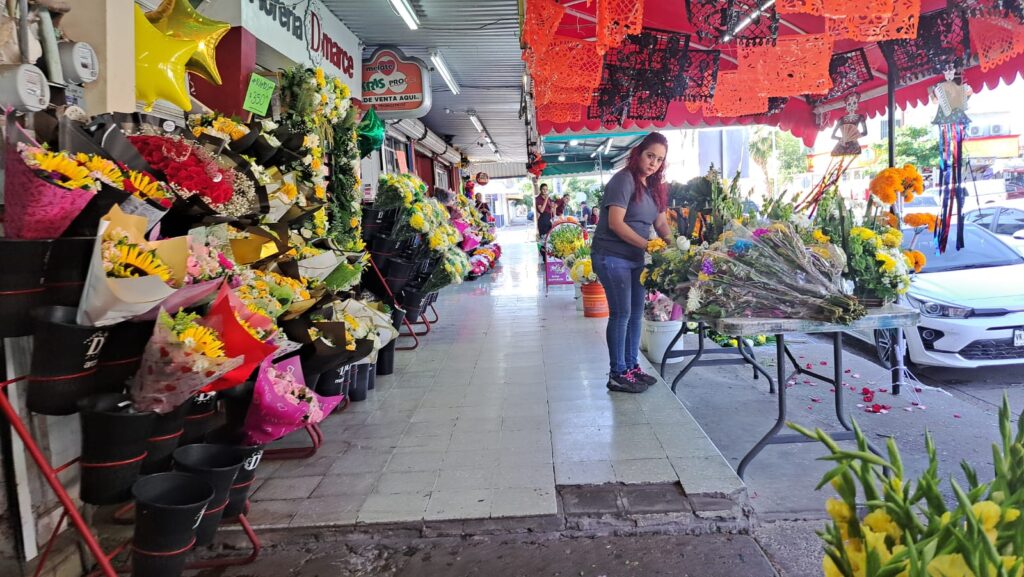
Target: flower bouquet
pixel 128 275
pixel 451 270
pixel 365 322
pixel 669 268
pixel 564 240
pixel 769 273
pixel 245 334
pixel 347 274
pixel 273 294
pixel 181 358
pixel 44 191
pixel 282 403
pixel 398 191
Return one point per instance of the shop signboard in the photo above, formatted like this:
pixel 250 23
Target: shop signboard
pixel 303 31
pixel 396 85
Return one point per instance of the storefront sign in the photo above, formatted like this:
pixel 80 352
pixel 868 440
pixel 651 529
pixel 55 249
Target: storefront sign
pixel 398 86
pixel 303 31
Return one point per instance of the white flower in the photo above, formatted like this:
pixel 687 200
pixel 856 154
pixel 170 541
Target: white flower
pixel 307 160
pixel 268 125
pixel 683 244
pixel 693 300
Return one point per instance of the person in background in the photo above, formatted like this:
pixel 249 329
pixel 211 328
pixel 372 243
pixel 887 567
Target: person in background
pixel 584 213
pixel 595 216
pixel 544 208
pixel 483 207
pixel 561 205
pixel 634 200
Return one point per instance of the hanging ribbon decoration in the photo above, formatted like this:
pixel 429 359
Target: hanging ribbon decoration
pixel 951 156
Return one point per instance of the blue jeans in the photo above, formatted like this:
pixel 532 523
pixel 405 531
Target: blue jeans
pixel 621 280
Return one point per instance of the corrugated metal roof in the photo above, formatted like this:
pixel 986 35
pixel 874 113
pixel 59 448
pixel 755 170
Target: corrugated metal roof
pixel 500 169
pixel 480 42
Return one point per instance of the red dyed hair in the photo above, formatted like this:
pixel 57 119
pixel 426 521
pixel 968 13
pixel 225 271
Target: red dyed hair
pixel 656 181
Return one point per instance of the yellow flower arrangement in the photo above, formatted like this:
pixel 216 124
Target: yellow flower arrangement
pixel 656 245
pixel 125 259
pixel 891 238
pixel 101 168
pixel 888 264
pixel 321 80
pixel 61 169
pixel 320 222
pixel 289 191
pixel 865 234
pixel 821 237
pixel 201 340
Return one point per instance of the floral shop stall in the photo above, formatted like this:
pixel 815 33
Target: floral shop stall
pixel 202 281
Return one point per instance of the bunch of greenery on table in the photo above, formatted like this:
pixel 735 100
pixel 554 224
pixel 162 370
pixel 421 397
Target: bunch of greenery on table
pixel 909 529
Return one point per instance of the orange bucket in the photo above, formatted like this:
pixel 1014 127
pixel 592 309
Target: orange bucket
pixel 595 303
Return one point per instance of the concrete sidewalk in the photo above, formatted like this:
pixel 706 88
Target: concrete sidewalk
pixel 502 413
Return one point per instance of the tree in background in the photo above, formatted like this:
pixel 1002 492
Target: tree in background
pixel 917 145
pixel 770 144
pixel 590 186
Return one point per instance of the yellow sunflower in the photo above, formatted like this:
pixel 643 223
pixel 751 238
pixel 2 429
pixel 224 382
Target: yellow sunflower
pixel 202 340
pixel 130 261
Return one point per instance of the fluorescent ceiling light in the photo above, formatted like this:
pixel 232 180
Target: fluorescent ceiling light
pixel 494 147
pixel 750 18
pixel 608 146
pixel 561 158
pixel 476 121
pixel 404 9
pixel 574 142
pixel 593 154
pixel 442 68
pixel 498 155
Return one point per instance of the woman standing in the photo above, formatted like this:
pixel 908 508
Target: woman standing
pixel 634 200
pixel 545 208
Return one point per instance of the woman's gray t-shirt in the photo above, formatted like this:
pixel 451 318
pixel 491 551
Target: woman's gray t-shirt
pixel 640 216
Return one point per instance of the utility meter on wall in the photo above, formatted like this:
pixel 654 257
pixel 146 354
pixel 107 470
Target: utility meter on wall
pixel 24 87
pixel 79 63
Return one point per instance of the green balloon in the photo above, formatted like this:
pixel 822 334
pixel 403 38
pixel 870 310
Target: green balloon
pixel 371 133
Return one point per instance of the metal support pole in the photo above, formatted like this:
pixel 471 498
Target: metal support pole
pixel 900 344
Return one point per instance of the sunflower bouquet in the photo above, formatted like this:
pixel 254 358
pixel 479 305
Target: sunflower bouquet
pixel 217 126
pixel 244 334
pixel 181 357
pixel 130 277
pixel 44 192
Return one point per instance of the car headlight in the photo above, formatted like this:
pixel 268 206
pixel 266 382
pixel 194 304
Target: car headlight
pixel 940 310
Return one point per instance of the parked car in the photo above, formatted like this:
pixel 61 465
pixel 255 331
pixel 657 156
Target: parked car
pixel 971 303
pixel 924 203
pixel 1005 219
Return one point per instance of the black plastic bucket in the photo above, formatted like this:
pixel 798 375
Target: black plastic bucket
pixel 386 356
pixel 399 273
pixel 371 377
pixel 66 270
pixel 236 401
pixel 64 359
pixel 373 223
pixel 122 354
pixel 332 383
pixel 200 418
pixel 168 508
pixel 358 391
pixel 218 464
pixel 21 284
pixel 113 447
pixel 238 496
pixel 167 431
pixel 412 301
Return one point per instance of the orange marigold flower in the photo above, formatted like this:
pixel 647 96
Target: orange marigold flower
pixel 916 219
pixel 890 220
pixel 915 259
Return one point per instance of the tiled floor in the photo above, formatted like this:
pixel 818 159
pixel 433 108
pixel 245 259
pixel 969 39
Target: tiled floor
pixel 504 399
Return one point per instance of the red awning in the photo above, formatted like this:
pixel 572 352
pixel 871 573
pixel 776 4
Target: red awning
pixel 798 115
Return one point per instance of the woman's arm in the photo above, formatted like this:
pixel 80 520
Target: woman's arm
pixel 617 224
pixel 663 229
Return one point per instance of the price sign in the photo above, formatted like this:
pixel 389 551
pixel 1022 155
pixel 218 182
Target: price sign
pixel 257 97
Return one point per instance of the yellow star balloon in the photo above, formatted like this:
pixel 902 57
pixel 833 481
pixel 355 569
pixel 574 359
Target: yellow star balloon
pixel 178 19
pixel 160 65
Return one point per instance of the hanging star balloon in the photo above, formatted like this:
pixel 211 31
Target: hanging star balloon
pixel 178 19
pixel 160 65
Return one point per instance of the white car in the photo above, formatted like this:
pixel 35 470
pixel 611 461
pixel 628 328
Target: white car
pixel 971 303
pixel 1005 219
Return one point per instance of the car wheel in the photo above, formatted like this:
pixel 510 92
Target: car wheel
pixel 885 347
